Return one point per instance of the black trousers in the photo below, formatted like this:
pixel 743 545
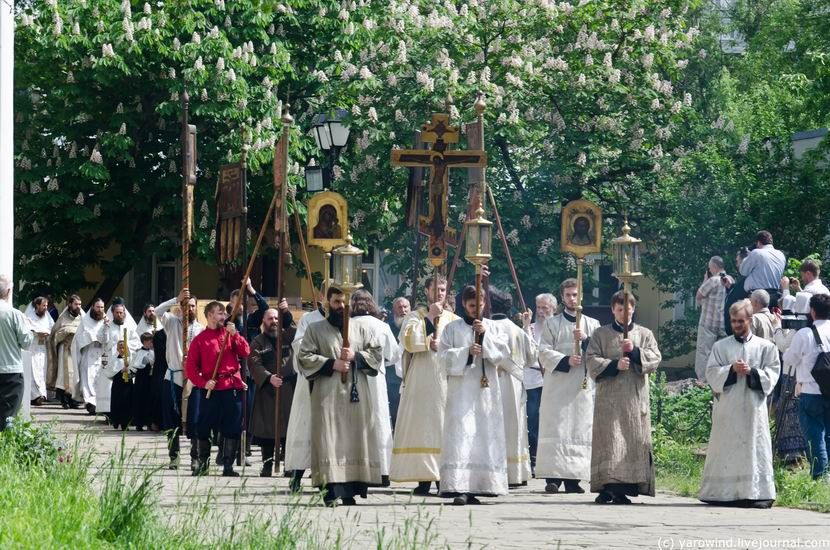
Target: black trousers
pixel 11 396
pixel 222 412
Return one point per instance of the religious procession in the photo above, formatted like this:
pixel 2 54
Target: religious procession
pixel 374 267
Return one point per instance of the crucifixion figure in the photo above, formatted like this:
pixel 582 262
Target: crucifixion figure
pixel 439 160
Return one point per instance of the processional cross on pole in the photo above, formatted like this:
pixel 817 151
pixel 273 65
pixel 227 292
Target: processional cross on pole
pixel 439 160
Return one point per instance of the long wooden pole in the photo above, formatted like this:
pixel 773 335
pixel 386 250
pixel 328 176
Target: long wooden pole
pixel 236 309
pixel 187 221
pixel 304 251
pixel 347 311
pixel 242 300
pixel 281 187
pixel 506 249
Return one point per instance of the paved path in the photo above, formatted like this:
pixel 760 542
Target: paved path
pixel 527 518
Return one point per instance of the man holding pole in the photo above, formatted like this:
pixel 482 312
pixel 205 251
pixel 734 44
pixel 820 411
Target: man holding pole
pixel 213 366
pixel 345 444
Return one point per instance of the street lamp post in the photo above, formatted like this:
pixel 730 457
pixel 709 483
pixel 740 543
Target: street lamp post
pixel 331 135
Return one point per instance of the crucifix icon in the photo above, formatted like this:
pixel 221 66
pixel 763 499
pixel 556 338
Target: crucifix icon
pixel 439 160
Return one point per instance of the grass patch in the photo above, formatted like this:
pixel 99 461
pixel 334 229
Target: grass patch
pixel 54 497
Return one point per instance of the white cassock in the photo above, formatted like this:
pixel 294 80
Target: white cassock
pixel 144 326
pixel 114 364
pixel 739 457
pixel 377 384
pixel 514 399
pixel 419 427
pixel 567 411
pixel 172 325
pixel 35 361
pixel 298 434
pixel 89 351
pixel 473 454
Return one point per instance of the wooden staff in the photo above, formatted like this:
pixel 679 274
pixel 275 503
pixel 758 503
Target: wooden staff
pixel 187 220
pixel 237 308
pixel 281 187
pixel 347 311
pixel 299 226
pixel 479 338
pixel 506 249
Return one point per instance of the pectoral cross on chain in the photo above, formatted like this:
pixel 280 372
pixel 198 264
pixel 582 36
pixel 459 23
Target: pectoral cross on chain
pixel 439 160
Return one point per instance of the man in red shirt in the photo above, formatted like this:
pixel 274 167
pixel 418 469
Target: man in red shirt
pixel 223 411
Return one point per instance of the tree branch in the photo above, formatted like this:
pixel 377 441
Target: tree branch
pixel 501 143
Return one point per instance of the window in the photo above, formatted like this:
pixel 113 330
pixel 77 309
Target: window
pixel 166 278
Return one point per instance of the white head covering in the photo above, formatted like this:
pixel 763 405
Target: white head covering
pixel 39 324
pixel 129 322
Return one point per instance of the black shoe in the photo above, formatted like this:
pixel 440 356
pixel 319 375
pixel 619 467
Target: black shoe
pixel 203 458
pixel 266 469
pixel 604 497
pixel 139 428
pixel 472 500
pixel 621 499
pixel 552 488
pixel 422 489
pixel 348 501
pixel 460 500
pixel 295 485
pixel 573 487
pixel 90 409
pixel 174 463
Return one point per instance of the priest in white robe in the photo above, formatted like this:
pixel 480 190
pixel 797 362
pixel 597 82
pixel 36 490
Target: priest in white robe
pixel 473 452
pixel 345 444
pixel 622 462
pixel 61 370
pixel 90 352
pixel 567 411
pixel 298 435
pixel 523 355
pixel 40 323
pixel 742 371
pixel 365 312
pixel 114 394
pixel 419 427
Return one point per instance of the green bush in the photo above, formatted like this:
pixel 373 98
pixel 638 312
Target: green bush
pixel 31 444
pixel 686 417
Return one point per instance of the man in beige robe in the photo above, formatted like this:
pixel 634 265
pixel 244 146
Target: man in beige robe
pixel 622 463
pixel 61 368
pixel 345 444
pixel 419 427
pixel 763 320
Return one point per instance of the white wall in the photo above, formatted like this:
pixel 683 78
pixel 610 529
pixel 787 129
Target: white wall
pixel 6 138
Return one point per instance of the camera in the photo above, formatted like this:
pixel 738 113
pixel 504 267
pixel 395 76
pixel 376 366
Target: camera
pixel 722 276
pixel 794 321
pixel 743 252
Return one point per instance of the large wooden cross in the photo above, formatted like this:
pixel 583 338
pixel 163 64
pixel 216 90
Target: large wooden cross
pixel 439 160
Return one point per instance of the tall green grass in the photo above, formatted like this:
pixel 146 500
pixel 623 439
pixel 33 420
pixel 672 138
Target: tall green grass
pixel 55 497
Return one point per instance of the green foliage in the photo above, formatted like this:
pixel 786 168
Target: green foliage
pixel 793 269
pixel 685 416
pixel 32 445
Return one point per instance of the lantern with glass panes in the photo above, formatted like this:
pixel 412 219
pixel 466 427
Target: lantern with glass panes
pixel 626 256
pixel 330 134
pixel 347 277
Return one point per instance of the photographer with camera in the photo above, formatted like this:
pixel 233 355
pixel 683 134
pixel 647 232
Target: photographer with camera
pixel 710 297
pixel 809 272
pixel 762 268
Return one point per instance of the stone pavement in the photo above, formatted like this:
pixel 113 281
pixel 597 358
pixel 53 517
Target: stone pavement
pixel 527 518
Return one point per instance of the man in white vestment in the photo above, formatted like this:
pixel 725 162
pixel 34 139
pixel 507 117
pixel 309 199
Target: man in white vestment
pixel 742 372
pixel 534 378
pixel 420 423
pixel 90 349
pixel 511 375
pixel 298 436
pixel 473 453
pixel 114 395
pixel 174 380
pixel 567 411
pixel 365 312
pixel 41 323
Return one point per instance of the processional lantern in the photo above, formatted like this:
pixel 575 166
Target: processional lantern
pixel 478 240
pixel 626 256
pixel 347 267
